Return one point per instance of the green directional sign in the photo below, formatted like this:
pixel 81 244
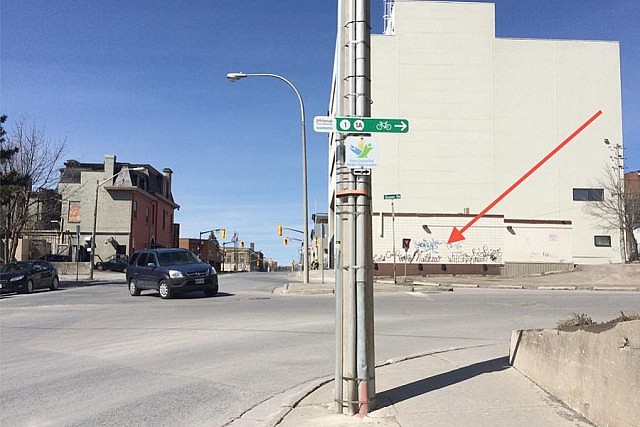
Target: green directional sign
pixel 371 125
pixel 392 196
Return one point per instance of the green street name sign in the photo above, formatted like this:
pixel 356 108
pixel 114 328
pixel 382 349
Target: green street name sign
pixel 371 125
pixel 392 196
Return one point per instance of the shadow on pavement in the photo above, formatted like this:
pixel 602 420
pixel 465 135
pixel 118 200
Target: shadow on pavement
pixel 419 387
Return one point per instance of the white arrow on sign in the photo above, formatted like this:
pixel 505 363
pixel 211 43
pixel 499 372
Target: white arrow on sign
pixel 402 126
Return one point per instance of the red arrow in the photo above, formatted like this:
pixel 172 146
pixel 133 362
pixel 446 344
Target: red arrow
pixel 456 235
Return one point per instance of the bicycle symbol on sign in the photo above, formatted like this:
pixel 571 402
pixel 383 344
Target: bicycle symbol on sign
pixel 383 125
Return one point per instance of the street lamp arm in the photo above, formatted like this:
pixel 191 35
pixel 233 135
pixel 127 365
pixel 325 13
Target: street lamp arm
pixel 293 229
pixel 233 77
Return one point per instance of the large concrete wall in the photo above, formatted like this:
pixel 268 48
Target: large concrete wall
pixel 482 112
pixel 595 370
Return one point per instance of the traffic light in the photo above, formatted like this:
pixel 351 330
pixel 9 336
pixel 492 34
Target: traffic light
pixel 223 233
pixel 242 243
pixel 285 241
pixel 279 230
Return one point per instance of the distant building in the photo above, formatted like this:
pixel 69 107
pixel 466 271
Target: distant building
pixel 207 249
pixel 239 258
pixel 41 234
pixel 135 208
pixel 632 192
pixel 482 111
pixel 319 248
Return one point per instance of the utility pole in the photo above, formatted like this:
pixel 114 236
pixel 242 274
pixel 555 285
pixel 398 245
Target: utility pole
pixel 354 259
pixel 617 157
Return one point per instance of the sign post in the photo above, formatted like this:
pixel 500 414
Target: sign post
pixel 393 197
pixel 405 246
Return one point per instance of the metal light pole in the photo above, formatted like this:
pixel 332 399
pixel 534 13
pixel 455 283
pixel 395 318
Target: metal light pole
pixel 95 215
pixel 233 77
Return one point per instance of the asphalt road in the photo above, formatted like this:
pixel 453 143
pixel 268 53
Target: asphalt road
pixel 95 355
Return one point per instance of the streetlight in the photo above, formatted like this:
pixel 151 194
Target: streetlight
pixel 95 215
pixel 233 77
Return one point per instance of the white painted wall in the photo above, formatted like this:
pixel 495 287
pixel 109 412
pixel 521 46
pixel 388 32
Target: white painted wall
pixel 482 112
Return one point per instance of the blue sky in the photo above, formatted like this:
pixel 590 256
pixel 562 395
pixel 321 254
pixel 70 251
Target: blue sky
pixel 145 80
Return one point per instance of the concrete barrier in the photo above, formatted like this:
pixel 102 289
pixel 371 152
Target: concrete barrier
pixel 594 370
pixel 69 268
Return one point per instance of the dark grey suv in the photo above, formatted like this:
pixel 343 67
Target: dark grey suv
pixel 170 272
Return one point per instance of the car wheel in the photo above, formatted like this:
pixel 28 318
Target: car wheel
pixel 55 283
pixel 133 289
pixel 211 292
pixel 165 289
pixel 29 288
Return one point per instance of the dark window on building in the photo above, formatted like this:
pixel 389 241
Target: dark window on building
pixel 602 241
pixel 146 215
pixel 588 194
pixel 135 210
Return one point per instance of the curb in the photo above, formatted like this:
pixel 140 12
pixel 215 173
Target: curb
pixel 272 411
pixel 615 288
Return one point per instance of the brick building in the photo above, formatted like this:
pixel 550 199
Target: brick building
pixel 134 208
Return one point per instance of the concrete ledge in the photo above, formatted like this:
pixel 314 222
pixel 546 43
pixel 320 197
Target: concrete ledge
pixel 615 288
pixel 507 286
pixel 593 370
pixel 557 288
pixel 464 285
pixel 426 283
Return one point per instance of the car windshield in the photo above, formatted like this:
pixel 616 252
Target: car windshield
pixel 14 266
pixel 177 258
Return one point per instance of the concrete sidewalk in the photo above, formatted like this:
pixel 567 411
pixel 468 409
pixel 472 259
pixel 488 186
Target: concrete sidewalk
pixel 472 386
pixel 99 278
pixel 612 277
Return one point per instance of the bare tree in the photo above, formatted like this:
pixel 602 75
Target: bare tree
pixel 619 210
pixel 33 169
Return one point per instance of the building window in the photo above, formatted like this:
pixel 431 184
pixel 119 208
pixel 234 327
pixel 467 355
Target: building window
pixel 588 194
pixel 602 241
pixel 146 215
pixel 135 209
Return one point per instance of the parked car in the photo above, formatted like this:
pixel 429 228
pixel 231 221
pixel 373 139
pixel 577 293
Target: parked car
pixel 115 262
pixel 170 272
pixel 26 276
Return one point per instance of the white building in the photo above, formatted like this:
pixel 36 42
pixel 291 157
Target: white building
pixel 482 112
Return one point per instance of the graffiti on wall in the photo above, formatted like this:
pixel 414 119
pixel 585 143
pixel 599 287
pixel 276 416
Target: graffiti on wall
pixel 439 252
